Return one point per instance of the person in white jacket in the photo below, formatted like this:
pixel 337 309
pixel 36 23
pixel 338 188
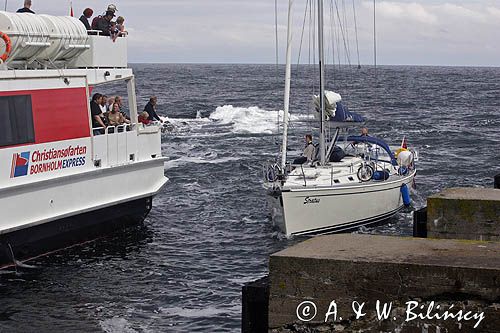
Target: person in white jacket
pixel 309 152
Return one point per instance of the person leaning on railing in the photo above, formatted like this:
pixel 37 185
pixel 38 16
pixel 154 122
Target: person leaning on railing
pixel 143 118
pixel 115 117
pixel 103 23
pixel 150 108
pixel 121 26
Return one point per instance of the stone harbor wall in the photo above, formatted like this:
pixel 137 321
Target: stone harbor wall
pixel 368 283
pixel 464 213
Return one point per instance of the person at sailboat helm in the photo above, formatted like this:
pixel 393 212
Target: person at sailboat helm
pixel 309 153
pixel 26 8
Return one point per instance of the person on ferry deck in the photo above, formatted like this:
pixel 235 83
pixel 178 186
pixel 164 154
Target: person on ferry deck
pixel 150 108
pixel 109 104
pixel 364 131
pixel 119 101
pixel 143 118
pixel 104 23
pixel 111 8
pixel 115 117
pixel 26 8
pixel 87 14
pixel 103 105
pixel 120 26
pixel 95 112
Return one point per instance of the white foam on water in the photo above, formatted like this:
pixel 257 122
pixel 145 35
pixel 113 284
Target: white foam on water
pixel 182 121
pixel 116 325
pixel 249 120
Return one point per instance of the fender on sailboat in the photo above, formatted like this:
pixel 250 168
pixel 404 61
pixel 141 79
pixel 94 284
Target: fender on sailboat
pixel 405 193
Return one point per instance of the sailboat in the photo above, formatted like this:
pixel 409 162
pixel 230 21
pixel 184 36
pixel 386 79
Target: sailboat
pixel 352 180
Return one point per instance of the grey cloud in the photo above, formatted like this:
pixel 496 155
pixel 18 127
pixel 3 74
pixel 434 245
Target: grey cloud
pixel 229 31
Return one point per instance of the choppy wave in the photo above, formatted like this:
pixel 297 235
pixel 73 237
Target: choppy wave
pixel 116 325
pixel 197 160
pixel 250 119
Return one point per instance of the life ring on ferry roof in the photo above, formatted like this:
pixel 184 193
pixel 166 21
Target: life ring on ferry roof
pixel 8 46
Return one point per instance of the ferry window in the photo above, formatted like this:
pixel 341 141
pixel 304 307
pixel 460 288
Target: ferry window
pixel 16 120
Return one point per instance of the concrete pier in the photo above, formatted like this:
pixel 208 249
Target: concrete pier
pixel 414 278
pixel 464 213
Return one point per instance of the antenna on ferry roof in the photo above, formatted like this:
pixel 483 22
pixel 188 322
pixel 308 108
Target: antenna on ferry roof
pixel 5 5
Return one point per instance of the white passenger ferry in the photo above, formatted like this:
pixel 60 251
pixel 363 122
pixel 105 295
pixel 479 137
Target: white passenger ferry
pixel 60 184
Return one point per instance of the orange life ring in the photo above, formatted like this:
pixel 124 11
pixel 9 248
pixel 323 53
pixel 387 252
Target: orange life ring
pixel 8 46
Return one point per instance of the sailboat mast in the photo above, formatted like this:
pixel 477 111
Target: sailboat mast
pixel 288 76
pixel 321 84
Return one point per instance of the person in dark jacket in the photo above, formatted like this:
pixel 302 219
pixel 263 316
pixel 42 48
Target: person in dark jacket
pixel 104 23
pixel 150 108
pixel 87 13
pixel 96 113
pixel 26 8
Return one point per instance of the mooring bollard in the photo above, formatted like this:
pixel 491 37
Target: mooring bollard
pixel 255 306
pixel 420 223
pixel 497 181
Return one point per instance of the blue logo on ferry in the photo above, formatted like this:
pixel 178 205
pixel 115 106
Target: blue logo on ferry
pixel 20 164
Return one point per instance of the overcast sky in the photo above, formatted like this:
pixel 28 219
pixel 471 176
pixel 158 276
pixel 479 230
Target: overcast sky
pixel 425 32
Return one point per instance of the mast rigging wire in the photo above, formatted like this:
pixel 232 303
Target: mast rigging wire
pixel 344 12
pixel 277 59
pixel 302 34
pixel 356 31
pixel 346 47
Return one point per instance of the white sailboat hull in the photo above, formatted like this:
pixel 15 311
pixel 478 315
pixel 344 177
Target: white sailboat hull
pixel 299 211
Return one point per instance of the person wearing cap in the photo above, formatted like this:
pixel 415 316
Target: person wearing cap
pixel 112 8
pixel 104 23
pixel 26 8
pixel 87 13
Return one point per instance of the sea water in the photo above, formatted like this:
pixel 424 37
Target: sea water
pixel 209 231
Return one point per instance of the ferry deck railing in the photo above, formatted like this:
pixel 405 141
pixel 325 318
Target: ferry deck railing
pixel 126 143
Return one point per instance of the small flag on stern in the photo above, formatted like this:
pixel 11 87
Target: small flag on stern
pixel 71 9
pixel 404 144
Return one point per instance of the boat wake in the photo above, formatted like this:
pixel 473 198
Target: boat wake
pixel 253 120
pixel 229 119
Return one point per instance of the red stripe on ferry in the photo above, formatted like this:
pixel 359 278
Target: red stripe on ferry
pixel 58 114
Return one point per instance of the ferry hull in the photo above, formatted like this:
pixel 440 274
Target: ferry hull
pixel 38 240
pixel 328 210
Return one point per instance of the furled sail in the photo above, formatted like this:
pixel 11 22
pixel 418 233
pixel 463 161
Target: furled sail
pixel 335 110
